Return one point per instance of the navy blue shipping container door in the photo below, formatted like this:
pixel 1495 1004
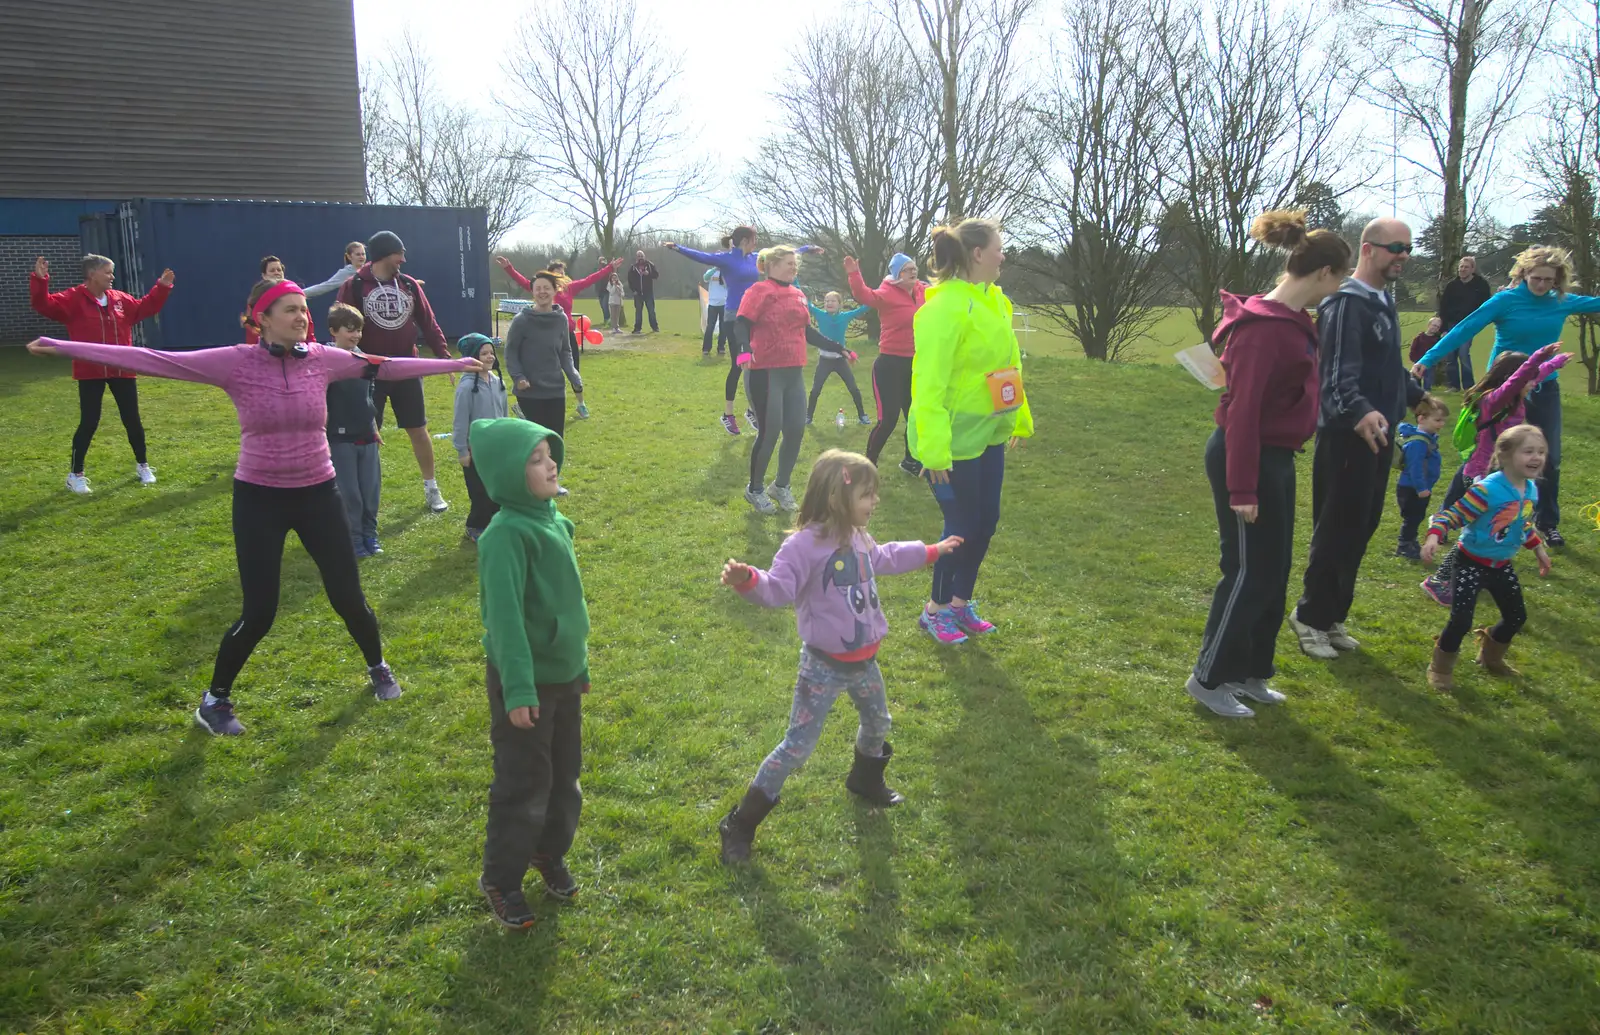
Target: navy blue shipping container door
pixel 215 248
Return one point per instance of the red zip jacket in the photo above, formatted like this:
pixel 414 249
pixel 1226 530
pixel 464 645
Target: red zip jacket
pixel 779 318
pixel 896 307
pixel 393 312
pixel 88 320
pixel 1273 385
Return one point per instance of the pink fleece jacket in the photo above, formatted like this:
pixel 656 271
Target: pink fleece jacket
pixel 896 308
pixel 282 400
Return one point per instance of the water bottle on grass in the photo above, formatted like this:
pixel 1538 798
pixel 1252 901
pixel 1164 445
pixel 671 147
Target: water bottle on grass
pixel 839 420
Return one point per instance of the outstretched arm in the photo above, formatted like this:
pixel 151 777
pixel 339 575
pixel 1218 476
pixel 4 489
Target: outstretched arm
pixel 1463 332
pixel 593 278
pixel 511 271
pixel 202 366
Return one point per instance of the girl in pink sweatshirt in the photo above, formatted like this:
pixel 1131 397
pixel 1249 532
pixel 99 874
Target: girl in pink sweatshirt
pixel 284 480
pixel 826 570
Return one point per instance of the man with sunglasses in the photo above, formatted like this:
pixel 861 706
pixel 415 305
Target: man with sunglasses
pixel 1365 390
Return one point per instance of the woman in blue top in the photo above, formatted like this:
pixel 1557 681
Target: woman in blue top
pixel 738 266
pixel 1528 315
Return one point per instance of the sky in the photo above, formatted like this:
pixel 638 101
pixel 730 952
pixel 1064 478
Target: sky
pixel 468 41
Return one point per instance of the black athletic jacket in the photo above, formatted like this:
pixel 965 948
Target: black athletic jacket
pixel 1363 368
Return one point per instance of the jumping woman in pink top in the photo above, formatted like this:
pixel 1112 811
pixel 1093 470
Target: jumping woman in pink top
pixel 284 479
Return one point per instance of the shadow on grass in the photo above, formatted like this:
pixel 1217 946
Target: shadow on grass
pixel 728 475
pixel 167 501
pixel 58 932
pixel 503 978
pixel 1470 962
pixel 1041 870
pixel 20 370
pixel 452 574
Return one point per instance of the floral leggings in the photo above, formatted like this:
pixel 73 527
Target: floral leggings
pixel 1502 584
pixel 816 688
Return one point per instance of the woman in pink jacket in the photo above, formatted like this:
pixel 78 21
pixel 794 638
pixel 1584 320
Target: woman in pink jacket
pixel 284 480
pixel 897 300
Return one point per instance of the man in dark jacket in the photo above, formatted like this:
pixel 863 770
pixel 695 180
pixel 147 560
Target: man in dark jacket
pixel 642 283
pixel 1365 391
pixel 395 309
pixel 1458 299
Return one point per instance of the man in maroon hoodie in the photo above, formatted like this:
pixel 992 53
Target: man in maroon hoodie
pixel 93 312
pixel 395 310
pixel 1267 413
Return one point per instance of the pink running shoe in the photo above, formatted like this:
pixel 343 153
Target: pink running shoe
pixel 730 424
pixel 941 625
pixel 967 620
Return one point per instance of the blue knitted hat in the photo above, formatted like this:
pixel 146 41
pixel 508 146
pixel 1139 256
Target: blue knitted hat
pixel 897 264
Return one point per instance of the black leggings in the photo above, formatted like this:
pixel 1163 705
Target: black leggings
pixel 91 392
pixel 547 413
pixel 891 388
pixel 730 390
pixel 262 519
pixel 826 368
pixel 1472 575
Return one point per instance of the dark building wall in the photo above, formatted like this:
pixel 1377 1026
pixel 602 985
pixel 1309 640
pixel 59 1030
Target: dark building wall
pixel 18 321
pixel 180 98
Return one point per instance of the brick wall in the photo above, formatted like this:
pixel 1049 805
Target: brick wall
pixel 18 321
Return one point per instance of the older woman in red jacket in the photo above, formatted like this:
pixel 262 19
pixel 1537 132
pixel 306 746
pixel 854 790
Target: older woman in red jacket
pixel 93 312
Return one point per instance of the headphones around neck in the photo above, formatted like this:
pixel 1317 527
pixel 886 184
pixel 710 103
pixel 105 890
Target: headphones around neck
pixel 298 351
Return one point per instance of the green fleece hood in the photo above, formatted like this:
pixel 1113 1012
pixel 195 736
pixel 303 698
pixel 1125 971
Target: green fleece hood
pixel 536 624
pixel 500 450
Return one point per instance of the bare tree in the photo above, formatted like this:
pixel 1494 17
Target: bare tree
pixel 604 134
pixel 1252 121
pixel 968 57
pixel 1451 71
pixel 1101 152
pixel 1564 166
pixel 848 165
pixel 423 150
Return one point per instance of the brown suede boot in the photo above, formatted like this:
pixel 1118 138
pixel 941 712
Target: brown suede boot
pixel 1441 667
pixel 1492 655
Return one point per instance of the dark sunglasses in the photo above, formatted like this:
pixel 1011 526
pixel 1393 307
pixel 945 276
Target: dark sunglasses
pixel 1393 247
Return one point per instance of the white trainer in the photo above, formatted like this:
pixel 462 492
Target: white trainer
pixel 1220 700
pixel 146 476
pixel 1313 642
pixel 1258 690
pixel 783 497
pixel 1339 639
pixel 79 484
pixel 761 501
pixel 436 501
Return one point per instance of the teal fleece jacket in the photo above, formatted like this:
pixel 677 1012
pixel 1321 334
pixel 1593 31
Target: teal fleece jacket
pixel 1523 322
pixel 536 624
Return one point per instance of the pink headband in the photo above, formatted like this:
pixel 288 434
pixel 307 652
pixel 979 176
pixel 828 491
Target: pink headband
pixel 271 295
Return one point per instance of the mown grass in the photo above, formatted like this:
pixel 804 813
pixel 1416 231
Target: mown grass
pixel 1082 850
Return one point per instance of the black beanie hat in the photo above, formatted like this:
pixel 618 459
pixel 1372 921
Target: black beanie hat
pixel 384 243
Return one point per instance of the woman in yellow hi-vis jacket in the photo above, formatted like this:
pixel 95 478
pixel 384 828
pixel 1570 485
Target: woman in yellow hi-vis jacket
pixel 967 406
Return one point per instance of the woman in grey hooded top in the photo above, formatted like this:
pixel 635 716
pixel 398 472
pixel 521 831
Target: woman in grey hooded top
pixel 538 354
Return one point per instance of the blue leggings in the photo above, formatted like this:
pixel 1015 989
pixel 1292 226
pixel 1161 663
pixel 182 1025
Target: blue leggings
pixel 971 505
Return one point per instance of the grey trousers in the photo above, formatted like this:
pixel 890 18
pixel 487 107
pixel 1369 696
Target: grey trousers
pixel 356 470
pixel 535 800
pixel 779 398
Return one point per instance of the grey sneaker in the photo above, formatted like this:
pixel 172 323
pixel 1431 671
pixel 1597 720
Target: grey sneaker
pixel 215 716
pixel 1339 639
pixel 1258 690
pixel 436 501
pixel 1220 700
pixel 1313 642
pixel 384 686
pixel 783 497
pixel 761 501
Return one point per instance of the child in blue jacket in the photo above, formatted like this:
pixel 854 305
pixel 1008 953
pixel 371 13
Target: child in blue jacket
pixel 833 321
pixel 1420 463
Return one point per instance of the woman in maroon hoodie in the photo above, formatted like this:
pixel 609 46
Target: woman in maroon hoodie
pixel 1267 413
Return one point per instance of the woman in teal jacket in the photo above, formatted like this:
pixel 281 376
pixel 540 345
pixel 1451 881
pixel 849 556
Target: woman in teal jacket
pixel 1528 315
pixel 967 405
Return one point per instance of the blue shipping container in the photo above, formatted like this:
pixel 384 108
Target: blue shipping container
pixel 215 248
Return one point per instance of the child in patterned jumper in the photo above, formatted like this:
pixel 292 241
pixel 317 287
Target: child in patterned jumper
pixel 826 569
pixel 1496 516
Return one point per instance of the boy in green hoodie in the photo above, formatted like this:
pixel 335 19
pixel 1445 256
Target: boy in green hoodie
pixel 536 634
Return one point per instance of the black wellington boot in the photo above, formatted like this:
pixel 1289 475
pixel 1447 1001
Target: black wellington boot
pixel 866 778
pixel 738 828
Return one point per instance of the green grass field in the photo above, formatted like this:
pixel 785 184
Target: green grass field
pixel 1082 850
